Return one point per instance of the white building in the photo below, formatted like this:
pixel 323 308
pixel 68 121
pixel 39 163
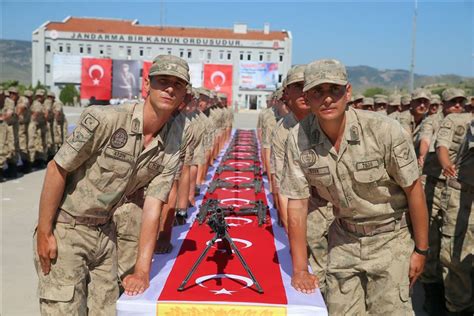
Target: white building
pixel 127 39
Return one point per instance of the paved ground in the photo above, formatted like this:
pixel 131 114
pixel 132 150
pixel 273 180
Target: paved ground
pixel 19 212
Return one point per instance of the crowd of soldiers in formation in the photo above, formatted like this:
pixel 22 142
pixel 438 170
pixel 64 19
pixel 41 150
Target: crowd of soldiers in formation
pixel 441 129
pixel 32 128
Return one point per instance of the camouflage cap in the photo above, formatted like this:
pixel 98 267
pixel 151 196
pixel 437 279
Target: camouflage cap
pixel 51 94
pixel 295 74
pixel 221 95
pixel 420 93
pixel 405 99
pixel 435 99
pixel 6 93
pixel 278 93
pixel 452 93
pixel 205 92
pixel 324 71
pixel 380 98
pixel 13 89
pixel 39 92
pixel 368 101
pixel 28 93
pixel 358 97
pixel 170 65
pixel 394 100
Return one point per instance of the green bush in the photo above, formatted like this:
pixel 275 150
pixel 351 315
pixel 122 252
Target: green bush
pixel 68 93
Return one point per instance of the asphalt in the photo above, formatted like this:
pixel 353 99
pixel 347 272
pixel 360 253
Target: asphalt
pixel 19 213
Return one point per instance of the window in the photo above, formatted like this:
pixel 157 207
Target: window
pixel 281 57
pixel 169 51
pixel 89 49
pixel 181 53
pixel 279 78
pixel 190 53
pixel 101 49
pixel 241 55
pixel 47 68
pixel 68 48
pixel 129 51
pixel 81 49
pixel 148 51
pixel 260 57
pixel 209 54
pixel 48 47
pixel 249 56
pixel 229 55
pixel 269 56
pixel 201 54
pixel 221 55
pixel 121 51
pixel 141 51
pixel 60 48
pixel 109 50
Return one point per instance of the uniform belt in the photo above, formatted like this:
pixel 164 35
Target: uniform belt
pixel 374 229
pixel 64 217
pixel 436 181
pixel 453 183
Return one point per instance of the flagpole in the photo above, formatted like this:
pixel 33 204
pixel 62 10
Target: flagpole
pixel 413 47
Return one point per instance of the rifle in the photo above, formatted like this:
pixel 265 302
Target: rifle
pixel 255 169
pixel 219 183
pixel 212 205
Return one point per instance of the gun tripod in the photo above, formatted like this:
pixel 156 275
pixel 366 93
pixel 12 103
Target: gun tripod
pixel 217 223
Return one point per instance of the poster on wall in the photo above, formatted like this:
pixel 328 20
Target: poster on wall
pixel 96 78
pixel 125 82
pixel 145 72
pixel 260 76
pixel 219 79
pixel 67 68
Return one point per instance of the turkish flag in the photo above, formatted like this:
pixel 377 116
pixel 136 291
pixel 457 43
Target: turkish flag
pixel 145 72
pixel 96 78
pixel 219 78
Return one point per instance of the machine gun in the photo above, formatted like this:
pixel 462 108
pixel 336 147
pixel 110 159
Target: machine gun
pixel 212 205
pixel 233 156
pixel 255 169
pixel 218 225
pixel 219 183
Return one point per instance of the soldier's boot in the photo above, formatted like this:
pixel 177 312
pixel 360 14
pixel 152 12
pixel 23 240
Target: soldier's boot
pixel 26 167
pixel 434 303
pixel 180 217
pixel 12 172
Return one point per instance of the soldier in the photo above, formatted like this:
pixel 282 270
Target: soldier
pixel 112 153
pixel 368 104
pixel 11 144
pixel 358 100
pixel 3 134
pixel 371 178
pixel 319 212
pixel 455 150
pixel 37 131
pixel 23 114
pixel 60 123
pixel 208 137
pixel 48 115
pixel 393 105
pixel 419 104
pixel 432 278
pixel 435 101
pixel 380 103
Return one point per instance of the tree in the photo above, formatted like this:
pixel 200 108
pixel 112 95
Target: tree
pixel 68 93
pixel 370 92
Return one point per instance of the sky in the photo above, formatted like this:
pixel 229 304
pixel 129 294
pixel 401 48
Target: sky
pixel 372 33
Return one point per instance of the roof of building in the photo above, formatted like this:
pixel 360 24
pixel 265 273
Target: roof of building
pixel 132 27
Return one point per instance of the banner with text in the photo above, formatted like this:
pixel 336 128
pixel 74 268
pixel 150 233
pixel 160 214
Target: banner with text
pixel 255 75
pixel 96 78
pixel 219 78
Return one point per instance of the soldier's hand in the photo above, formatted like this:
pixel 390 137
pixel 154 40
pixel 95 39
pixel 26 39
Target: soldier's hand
pixel 304 282
pixel 417 264
pixel 47 250
pixel 450 171
pixel 421 161
pixel 136 283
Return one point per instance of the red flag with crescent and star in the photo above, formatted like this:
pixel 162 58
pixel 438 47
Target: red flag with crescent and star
pixel 145 72
pixel 96 78
pixel 219 79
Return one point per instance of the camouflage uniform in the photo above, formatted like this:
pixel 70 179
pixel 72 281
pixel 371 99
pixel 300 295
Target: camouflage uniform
pixel 23 114
pixel 60 125
pixel 11 132
pixel 48 114
pixel 369 242
pixel 107 164
pixel 457 239
pixel 37 130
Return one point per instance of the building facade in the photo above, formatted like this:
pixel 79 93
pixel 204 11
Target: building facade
pixel 128 40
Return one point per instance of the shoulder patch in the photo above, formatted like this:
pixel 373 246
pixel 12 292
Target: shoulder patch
pixel 308 158
pixel 119 138
pixel 403 154
pixel 79 137
pixel 90 122
pixel 447 124
pixel 460 130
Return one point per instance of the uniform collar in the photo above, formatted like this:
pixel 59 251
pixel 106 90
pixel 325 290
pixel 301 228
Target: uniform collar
pixel 137 119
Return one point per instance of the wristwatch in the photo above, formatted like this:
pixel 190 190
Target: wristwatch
pixel 422 252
